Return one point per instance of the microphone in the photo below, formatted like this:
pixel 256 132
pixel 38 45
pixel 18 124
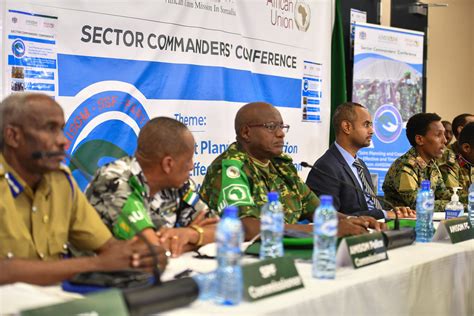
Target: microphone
pixel 47 154
pixel 158 299
pixel 394 238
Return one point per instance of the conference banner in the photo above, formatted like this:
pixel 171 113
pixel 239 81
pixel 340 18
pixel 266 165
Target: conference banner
pixel 387 79
pixel 116 65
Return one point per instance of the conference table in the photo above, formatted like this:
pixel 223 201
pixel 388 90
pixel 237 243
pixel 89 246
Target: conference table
pixel 421 279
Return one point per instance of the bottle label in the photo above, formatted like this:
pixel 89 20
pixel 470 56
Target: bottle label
pixel 328 228
pixel 452 213
pixel 428 204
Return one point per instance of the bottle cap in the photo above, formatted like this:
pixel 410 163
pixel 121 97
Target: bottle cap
pixel 425 184
pixel 326 199
pixel 273 196
pixel 231 211
pixel 455 197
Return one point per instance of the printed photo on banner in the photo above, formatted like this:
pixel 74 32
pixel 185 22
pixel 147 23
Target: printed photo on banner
pixel 388 80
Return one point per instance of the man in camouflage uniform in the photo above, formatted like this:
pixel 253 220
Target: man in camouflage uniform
pixel 255 165
pixel 458 170
pixel 458 124
pixel 151 191
pixel 402 181
pixel 448 131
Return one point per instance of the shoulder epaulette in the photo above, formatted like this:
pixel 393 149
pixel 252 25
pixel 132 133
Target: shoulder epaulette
pixel 284 157
pixel 67 172
pixel 63 167
pixel 451 158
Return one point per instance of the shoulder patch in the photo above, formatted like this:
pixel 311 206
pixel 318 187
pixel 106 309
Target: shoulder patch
pixel 15 186
pixel 235 185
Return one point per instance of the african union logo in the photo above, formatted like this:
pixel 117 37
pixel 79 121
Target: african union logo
pixel 302 16
pixel 102 128
pixel 387 123
pixel 233 172
pixel 18 48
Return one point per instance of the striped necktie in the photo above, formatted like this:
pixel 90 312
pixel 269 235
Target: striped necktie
pixel 366 186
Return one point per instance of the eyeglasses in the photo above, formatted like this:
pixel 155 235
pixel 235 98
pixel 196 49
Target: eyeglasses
pixel 272 126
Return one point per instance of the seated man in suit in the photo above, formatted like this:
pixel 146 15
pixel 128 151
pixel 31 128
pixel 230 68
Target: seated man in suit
pixel 458 170
pixel 353 126
pixel 42 209
pixel 255 165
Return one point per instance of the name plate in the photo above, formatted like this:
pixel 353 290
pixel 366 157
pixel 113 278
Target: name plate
pixel 270 277
pixel 455 229
pixel 109 302
pixel 361 250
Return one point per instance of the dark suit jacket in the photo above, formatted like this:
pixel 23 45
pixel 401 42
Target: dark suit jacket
pixel 346 199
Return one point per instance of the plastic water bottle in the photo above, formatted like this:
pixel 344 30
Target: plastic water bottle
pixel 470 204
pixel 229 237
pixel 325 239
pixel 207 285
pixel 454 208
pixel 271 228
pixel 424 213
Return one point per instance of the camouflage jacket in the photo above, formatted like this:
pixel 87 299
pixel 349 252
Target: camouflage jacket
pixel 458 172
pixel 234 178
pixel 121 187
pixel 404 177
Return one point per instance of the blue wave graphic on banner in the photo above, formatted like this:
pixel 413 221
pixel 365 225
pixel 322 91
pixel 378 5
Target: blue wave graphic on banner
pixel 95 140
pixel 167 81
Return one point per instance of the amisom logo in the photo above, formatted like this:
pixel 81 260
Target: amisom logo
pixel 18 48
pixel 103 127
pixel 387 123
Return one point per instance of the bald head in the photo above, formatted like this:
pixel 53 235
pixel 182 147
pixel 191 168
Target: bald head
pixel 17 109
pixel 162 136
pixel 252 113
pixel 260 130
